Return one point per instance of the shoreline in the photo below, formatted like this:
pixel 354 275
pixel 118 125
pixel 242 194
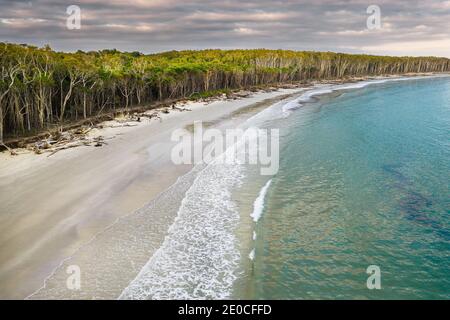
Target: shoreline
pixel 275 252
pixel 158 107
pixel 116 180
pixel 51 206
pixel 157 279
pixel 254 184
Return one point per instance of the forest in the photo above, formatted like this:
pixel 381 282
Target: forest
pixel 42 89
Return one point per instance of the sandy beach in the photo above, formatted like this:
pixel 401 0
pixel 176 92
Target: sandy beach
pixel 105 209
pixel 51 207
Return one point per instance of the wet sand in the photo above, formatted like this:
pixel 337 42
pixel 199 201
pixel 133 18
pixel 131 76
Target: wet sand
pixel 53 207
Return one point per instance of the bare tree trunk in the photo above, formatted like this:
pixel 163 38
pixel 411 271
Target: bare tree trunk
pixel 66 98
pixel 84 105
pixel 1 123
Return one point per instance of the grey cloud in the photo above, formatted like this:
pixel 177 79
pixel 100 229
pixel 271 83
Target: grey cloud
pixel 409 27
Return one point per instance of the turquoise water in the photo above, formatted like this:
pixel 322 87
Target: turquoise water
pixel 363 180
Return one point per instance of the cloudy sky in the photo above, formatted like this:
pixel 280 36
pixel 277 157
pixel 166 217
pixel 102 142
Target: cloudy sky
pixel 408 27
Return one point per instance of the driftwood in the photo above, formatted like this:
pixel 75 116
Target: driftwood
pixel 174 107
pixel 65 147
pixel 96 142
pixel 60 139
pixel 123 125
pixel 11 151
pixel 67 138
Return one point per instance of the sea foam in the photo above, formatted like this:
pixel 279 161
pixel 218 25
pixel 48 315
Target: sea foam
pixel 307 96
pixel 258 205
pixel 199 257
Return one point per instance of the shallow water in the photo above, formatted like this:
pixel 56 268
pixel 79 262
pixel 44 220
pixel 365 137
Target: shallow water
pixel 363 180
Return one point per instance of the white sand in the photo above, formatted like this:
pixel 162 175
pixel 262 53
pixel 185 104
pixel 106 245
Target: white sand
pixel 50 206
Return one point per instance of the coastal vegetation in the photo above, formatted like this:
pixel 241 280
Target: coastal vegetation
pixel 42 89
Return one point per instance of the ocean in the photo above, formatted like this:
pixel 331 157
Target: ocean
pixel 363 181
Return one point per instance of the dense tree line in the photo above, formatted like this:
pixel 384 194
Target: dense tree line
pixel 40 87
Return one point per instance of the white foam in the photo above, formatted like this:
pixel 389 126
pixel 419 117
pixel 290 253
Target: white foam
pixel 258 205
pixel 305 97
pixel 251 255
pixel 285 108
pixel 199 257
pixel 318 90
